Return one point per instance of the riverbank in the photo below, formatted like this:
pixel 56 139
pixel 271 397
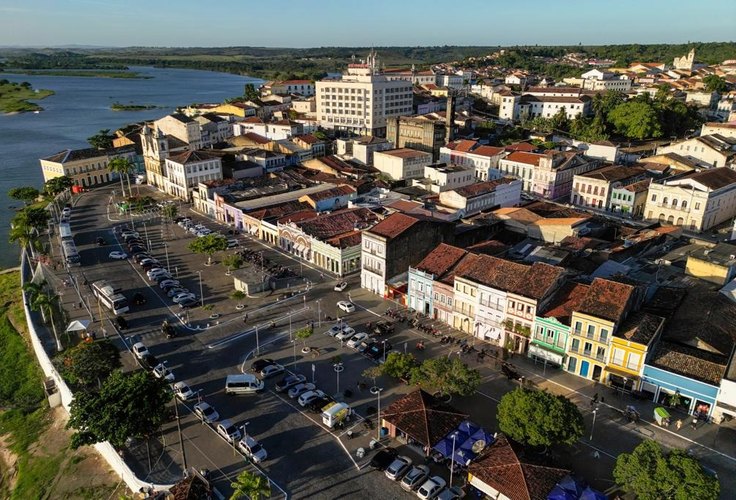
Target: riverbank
pixel 116 106
pixel 35 458
pixel 92 73
pixel 16 97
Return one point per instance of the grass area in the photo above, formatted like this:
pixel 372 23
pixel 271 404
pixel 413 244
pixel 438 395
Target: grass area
pixel 15 97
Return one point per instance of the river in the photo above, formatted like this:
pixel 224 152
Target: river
pixel 81 107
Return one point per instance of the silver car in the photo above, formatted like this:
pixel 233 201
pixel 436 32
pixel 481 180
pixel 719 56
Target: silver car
pixel 398 468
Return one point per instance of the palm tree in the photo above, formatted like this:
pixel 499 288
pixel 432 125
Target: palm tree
pixel 24 234
pixel 250 485
pixel 44 303
pixel 122 167
pixel 170 211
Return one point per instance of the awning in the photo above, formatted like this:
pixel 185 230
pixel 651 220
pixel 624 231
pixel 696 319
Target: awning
pixel 78 325
pixel 543 353
pixel 622 373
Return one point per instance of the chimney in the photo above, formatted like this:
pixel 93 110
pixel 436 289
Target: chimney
pixel 449 117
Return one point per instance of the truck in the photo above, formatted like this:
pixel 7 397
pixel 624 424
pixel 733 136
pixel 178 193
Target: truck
pixel 335 414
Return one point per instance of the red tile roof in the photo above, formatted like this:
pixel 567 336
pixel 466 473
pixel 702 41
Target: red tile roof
pixel 488 151
pixel 393 225
pixel 279 210
pixel 308 139
pixel 405 205
pixel 331 193
pixel 466 263
pixel 523 157
pixel 423 417
pixel 191 157
pixel 535 281
pixel 257 138
pixel 504 467
pixel 607 299
pixel 301 216
pixel 441 259
pixel 462 145
pixel 338 223
pixel 567 299
pixel 520 146
pixel 481 188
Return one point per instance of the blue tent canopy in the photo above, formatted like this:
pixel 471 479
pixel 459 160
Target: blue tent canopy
pixel 591 494
pixel 481 434
pixel 463 457
pixel 572 485
pixel 468 427
pixel 444 447
pixel 559 493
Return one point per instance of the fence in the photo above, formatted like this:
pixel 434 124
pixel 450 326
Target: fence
pixel 105 449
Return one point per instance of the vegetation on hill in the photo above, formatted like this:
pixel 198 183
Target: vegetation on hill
pixel 14 97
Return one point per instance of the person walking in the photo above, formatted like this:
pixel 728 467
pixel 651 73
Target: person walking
pixel 678 424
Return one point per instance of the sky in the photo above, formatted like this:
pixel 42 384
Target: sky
pixel 362 23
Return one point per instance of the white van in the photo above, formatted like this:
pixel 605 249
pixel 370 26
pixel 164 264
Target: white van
pixel 336 413
pixel 245 383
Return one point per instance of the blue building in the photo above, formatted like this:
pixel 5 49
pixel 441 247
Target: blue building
pixel 684 377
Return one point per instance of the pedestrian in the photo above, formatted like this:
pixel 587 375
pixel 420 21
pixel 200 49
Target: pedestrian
pixel 694 425
pixel 80 305
pixel 595 398
pixel 678 424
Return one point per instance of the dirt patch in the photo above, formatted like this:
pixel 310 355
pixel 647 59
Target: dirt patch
pixel 8 467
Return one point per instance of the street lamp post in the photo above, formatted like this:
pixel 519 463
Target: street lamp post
pixel 595 412
pixel 166 249
pixel 338 368
pixel 258 343
pixel 145 231
pixel 245 429
pixel 319 313
pixel 452 458
pixel 201 294
pixel 378 414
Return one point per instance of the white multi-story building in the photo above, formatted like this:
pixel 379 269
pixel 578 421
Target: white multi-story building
pixel 471 154
pixel 449 81
pixel 441 177
pixel 403 163
pixel 710 150
pixel 301 87
pixel 599 81
pixel 182 127
pixel 472 199
pixel 186 170
pixel 362 99
pixel 276 131
pixel 527 106
pixel 696 200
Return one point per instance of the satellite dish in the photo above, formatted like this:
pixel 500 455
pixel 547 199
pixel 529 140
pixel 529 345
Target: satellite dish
pixel 478 446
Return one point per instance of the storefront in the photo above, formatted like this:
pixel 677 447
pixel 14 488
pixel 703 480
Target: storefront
pixel 540 354
pixel 679 391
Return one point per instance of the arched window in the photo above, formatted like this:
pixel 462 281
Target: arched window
pixel 674 202
pixel 671 219
pixel 661 217
pixel 684 204
pixel 664 201
pixel 680 221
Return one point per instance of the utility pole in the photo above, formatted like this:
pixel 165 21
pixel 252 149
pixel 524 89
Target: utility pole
pixel 181 437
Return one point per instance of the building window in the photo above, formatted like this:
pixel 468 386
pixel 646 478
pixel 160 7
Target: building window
pixel 600 353
pixel 578 328
pixel 633 363
pixel 604 335
pixel 618 357
pixel 590 332
pixel 697 206
pixel 572 364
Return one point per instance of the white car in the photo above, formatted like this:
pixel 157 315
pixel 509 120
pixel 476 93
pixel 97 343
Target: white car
pixel 346 306
pixel 183 296
pixel 431 488
pixel 178 291
pixel 337 329
pixel 252 449
pixel 398 468
pixel 183 391
pixel 356 339
pixel 310 396
pixel 155 271
pixel 168 283
pixel 206 412
pixel 345 334
pixel 272 370
pixel 162 371
pixel 450 494
pixel 118 255
pixel 131 234
pixel 415 477
pixel 140 350
pixel 300 389
pixel 203 233
pixel 341 286
pixel 228 431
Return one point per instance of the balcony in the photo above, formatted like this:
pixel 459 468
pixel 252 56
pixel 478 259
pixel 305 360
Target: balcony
pixel 588 354
pixel 600 357
pixel 373 270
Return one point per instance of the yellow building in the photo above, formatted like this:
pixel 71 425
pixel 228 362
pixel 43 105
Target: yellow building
pixel 629 347
pixel 234 108
pixel 592 327
pixel 716 264
pixel 465 304
pixel 86 167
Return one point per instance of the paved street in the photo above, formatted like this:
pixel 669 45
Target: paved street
pixel 306 458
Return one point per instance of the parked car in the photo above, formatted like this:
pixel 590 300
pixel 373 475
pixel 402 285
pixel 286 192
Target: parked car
pixel 122 322
pixel 260 364
pixel 140 256
pixel 149 362
pixel 450 494
pixel 366 344
pixel 162 371
pixel 345 334
pixel 300 389
pixel 177 299
pixel 130 234
pixel 384 328
pixel 346 306
pixel 187 303
pixel 416 476
pixel 158 278
pixel 154 271
pixel 206 412
pixel 271 371
pixel 183 391
pixel 316 405
pixel 168 283
pixel 168 287
pixel 377 350
pixel 252 449
pixel 140 350
pixel 383 458
pixel 431 487
pixel 290 381
pixel 342 285
pixel 228 431
pixel 118 255
pixel 356 340
pixel 310 396
pixel 172 292
pixel 398 468
pixel 335 329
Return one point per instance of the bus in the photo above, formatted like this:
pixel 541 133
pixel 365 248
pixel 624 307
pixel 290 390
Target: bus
pixel 110 297
pixel 69 251
pixel 65 232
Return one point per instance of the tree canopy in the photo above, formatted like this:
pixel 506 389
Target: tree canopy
pixel 250 485
pixel 208 245
pixel 538 418
pixel 398 364
pixel 447 376
pixel 86 364
pixel 714 83
pixel 25 194
pixel 652 474
pixel 102 139
pixel 123 167
pixel 57 185
pixel 127 405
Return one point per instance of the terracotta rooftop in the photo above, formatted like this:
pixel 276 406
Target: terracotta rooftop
pixel 535 281
pixel 331 193
pixel 714 178
pixel 442 258
pixel 690 362
pixel 566 300
pixel 347 240
pixel 406 206
pixel 278 211
pixel 488 151
pixel 639 186
pixel 504 467
pixel 326 226
pixel 393 225
pixel 520 146
pixel 423 417
pixel 607 299
pixel 191 157
pixel 309 139
pixel 523 157
pixel 640 327
pixel 613 173
pixel 463 145
pixel 300 216
pixel 466 263
pixel 482 188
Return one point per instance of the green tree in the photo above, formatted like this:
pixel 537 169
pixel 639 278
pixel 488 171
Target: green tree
pixel 373 373
pixel 26 226
pixel 46 303
pixel 170 211
pixel 560 121
pixel 604 103
pixel 398 364
pixel 538 418
pixel 303 334
pixel 102 139
pixel 636 119
pixel 208 245
pixel 250 485
pixel 26 194
pixel 123 167
pixel 127 405
pixel 57 185
pixel 714 83
pixel 447 376
pixel 232 261
pixel 251 93
pixel 651 474
pixel 89 363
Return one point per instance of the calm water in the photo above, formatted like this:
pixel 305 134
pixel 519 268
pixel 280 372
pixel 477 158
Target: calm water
pixel 81 107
